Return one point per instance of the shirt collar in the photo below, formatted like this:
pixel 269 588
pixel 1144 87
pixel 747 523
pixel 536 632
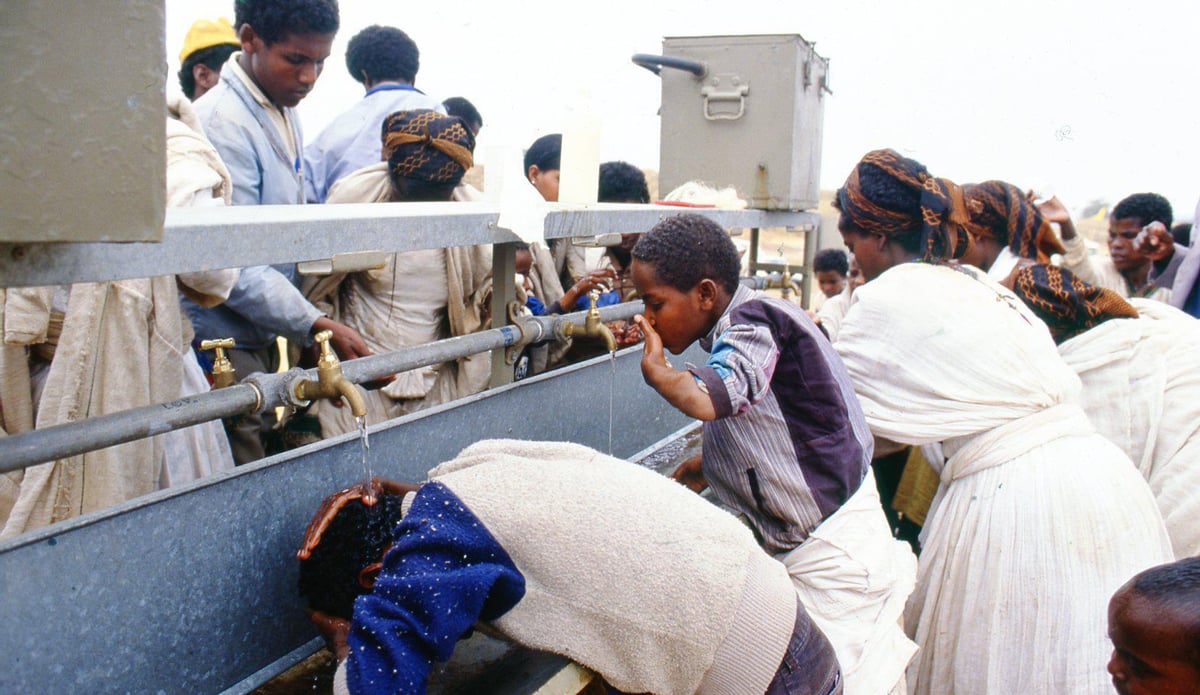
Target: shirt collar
pixel 741 296
pixel 236 67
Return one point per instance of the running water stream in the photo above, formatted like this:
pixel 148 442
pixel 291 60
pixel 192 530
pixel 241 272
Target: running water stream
pixel 365 443
pixel 612 380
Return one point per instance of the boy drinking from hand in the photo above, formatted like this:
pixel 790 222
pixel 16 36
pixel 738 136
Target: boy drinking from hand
pixel 785 441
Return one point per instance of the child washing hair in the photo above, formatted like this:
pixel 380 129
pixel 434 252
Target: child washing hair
pixel 1154 625
pixel 785 441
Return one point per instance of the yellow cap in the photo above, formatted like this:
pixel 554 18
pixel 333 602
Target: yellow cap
pixel 205 33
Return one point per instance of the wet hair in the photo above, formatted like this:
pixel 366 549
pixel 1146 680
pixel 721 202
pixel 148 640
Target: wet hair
pixel 832 259
pixel 356 538
pixel 1176 587
pixel 382 54
pixel 275 20
pixel 545 152
pixel 459 106
pixel 688 248
pixel 212 57
pixel 622 182
pixel 1145 208
pixel 1182 233
pixel 888 192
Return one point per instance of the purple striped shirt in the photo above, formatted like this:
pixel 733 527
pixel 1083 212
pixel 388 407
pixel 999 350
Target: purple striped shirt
pixel 790 443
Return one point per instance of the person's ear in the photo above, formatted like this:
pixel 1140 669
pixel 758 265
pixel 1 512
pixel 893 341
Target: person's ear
pixel 707 296
pixel 533 172
pixel 205 76
pixel 247 36
pixel 368 575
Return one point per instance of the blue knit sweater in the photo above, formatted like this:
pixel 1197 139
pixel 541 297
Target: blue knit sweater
pixel 444 572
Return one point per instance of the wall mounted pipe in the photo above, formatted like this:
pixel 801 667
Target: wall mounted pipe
pixel 265 391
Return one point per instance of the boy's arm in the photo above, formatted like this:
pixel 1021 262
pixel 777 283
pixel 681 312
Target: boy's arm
pixel 680 388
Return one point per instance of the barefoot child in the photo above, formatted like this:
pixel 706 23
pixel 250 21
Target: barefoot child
pixel 785 442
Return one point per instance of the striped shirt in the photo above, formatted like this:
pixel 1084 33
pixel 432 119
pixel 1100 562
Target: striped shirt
pixel 790 444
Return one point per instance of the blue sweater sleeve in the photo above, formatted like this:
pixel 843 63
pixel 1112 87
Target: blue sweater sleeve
pixel 444 572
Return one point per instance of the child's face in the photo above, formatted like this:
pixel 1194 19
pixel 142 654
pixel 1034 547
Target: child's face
pixel 286 70
pixel 679 318
pixel 1152 648
pixel 831 282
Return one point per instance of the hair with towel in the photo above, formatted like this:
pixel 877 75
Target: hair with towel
pixel 1000 211
pixel 427 153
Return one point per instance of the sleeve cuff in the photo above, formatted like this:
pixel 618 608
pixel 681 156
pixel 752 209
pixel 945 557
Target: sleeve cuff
pixel 715 385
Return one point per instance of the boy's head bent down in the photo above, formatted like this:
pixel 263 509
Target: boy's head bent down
pixel 686 271
pixel 339 569
pixel 285 44
pixel 1154 625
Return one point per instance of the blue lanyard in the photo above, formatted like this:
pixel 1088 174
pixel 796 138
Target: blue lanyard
pixel 392 86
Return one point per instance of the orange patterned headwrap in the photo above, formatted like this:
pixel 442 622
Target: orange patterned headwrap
pixel 941 215
pixel 998 210
pixel 427 146
pixel 1069 306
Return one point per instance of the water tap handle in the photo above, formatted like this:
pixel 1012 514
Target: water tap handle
pixel 222 370
pixel 328 357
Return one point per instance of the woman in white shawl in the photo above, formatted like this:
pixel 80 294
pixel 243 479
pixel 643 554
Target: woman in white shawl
pixel 1038 519
pixel 418 296
pixel 1139 361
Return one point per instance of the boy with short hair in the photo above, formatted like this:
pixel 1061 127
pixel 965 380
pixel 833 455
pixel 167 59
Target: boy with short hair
pixel 563 549
pixel 831 267
pixel 785 441
pixel 250 119
pixel 1154 625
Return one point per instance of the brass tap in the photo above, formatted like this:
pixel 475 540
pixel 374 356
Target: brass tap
pixel 222 371
pixel 592 324
pixel 330 383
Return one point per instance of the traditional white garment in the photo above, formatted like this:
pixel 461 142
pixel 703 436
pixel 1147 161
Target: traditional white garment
pixel 853 578
pixel 417 298
pixel 832 312
pixel 1141 389
pixel 1038 519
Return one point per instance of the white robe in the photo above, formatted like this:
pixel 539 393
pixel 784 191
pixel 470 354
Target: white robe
pixel 1038 519
pixel 1141 389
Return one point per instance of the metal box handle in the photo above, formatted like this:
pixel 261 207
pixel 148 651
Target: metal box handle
pixel 713 94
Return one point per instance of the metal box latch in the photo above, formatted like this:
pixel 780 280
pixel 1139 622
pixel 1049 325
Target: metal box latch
pixel 721 96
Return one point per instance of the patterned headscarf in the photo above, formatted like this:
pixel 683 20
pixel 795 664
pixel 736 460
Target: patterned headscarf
pixel 942 216
pixel 1069 306
pixel 998 210
pixel 427 146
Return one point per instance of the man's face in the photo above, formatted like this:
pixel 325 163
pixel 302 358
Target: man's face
pixel 286 70
pixel 676 316
pixel 546 182
pixel 1121 234
pixel 831 282
pixel 1152 648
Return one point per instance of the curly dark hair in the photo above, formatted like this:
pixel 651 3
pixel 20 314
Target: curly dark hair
pixel 545 152
pixel 382 53
pixel 1145 208
pixel 832 259
pixel 1176 586
pixel 622 182
pixel 275 20
pixel 459 106
pixel 356 538
pixel 213 56
pixel 687 248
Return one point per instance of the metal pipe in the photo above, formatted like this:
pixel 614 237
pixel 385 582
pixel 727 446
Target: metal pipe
pixel 265 391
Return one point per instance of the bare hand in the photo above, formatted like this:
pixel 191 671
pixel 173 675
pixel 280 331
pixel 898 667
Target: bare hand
pixel 691 474
pixel 654 359
pixel 333 630
pixel 600 279
pixel 1054 210
pixel 368 492
pixel 1155 241
pixel 346 341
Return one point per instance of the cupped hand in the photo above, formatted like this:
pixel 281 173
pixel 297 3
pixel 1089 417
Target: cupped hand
pixel 333 630
pixel 1155 241
pixel 691 474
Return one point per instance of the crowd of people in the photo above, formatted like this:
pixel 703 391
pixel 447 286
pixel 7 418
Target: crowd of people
pixel 1038 400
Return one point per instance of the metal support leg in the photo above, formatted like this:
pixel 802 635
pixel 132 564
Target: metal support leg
pixel 504 270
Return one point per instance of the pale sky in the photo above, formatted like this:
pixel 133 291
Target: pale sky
pixel 1080 99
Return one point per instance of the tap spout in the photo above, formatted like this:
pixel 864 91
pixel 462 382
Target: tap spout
pixel 330 383
pixel 592 325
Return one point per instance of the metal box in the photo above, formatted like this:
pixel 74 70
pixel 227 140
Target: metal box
pixel 82 121
pixel 751 120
